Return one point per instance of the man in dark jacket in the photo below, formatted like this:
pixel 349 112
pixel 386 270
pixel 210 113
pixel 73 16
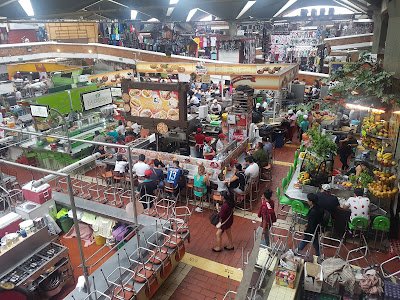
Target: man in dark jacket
pixel 314 217
pixel 327 201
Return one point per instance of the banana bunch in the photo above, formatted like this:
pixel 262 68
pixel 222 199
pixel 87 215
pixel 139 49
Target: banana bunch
pixel 304 177
pixel 387 156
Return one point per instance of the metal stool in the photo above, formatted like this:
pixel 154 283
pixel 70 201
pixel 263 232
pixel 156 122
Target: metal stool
pixel 246 194
pixel 266 174
pixel 202 198
pixel 189 189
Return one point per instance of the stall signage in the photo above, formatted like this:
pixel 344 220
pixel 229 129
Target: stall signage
pixel 111 77
pixel 152 104
pixel 116 92
pixel 96 99
pixel 41 111
pixel 201 69
pixel 244 77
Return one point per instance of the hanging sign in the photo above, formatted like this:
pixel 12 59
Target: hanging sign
pixel 96 99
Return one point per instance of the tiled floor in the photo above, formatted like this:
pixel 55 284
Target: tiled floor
pixel 202 274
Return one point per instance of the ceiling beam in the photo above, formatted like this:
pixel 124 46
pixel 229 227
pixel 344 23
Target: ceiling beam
pixel 4 3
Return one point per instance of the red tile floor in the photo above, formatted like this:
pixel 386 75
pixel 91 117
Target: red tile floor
pixel 197 283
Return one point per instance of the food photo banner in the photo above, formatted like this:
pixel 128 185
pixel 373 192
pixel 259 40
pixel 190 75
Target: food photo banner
pixel 111 77
pixel 214 69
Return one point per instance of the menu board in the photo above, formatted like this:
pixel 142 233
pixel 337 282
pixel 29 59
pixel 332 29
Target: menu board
pixel 152 104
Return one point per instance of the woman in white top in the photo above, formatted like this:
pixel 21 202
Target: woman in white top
pixel 121 164
pixel 221 183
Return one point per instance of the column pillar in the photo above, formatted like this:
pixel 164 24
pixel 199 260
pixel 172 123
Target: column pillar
pixel 380 32
pixel 392 53
pixel 232 30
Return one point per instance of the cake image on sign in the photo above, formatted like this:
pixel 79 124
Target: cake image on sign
pixel 134 92
pixel 146 113
pixel 127 107
pixel 173 114
pixel 153 66
pixel 160 115
pixel 166 95
pixel 147 94
pixel 173 103
pixel 135 104
pixel 126 97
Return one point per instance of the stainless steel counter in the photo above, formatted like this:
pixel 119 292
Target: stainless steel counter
pixel 292 192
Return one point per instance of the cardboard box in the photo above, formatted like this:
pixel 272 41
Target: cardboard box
pixel 311 283
pixel 285 277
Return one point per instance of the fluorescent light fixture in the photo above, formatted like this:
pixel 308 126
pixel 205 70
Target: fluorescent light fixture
pixel 27 6
pixel 58 50
pixel 191 14
pixel 90 51
pixel 353 5
pixel 153 20
pixel 134 13
pixel 344 5
pixel 245 8
pixel 169 11
pixel 173 2
pixel 361 107
pixel 206 19
pixel 115 2
pixel 285 7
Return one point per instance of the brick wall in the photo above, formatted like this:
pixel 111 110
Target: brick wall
pixel 15 36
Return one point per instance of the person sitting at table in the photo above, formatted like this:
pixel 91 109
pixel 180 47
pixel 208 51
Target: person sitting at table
pixel 129 137
pixel 221 183
pixel 237 181
pixel 201 180
pixel 120 164
pixel 121 129
pixel 314 218
pixel 267 144
pixel 158 173
pixel 140 168
pixel 103 155
pixel 111 132
pixel 359 205
pixel 327 201
pixel 100 138
pixel 111 150
pixel 147 187
pixel 173 175
pixel 208 151
pixel 261 156
pixel 215 108
pixel 252 169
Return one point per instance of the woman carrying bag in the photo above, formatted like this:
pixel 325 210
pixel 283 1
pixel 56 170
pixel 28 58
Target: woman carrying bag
pixel 225 222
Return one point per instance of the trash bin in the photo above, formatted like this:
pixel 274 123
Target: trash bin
pixel 279 135
pixel 100 241
pixel 66 223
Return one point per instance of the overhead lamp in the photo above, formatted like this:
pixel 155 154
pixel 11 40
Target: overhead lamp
pixel 27 6
pixel 90 51
pixel 134 13
pixel 397 112
pixel 173 2
pixel 153 20
pixel 245 8
pixel 169 11
pixel 285 7
pixel 191 14
pixel 206 19
pixel 361 107
pixel 58 50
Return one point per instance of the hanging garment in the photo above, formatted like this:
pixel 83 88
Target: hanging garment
pixel 213 41
pixel 103 227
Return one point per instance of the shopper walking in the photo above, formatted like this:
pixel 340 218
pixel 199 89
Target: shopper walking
pixel 347 149
pixel 267 214
pixel 225 213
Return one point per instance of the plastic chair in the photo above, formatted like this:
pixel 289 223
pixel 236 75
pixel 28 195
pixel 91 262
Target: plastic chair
pixel 284 183
pixel 299 209
pixel 358 224
pixel 296 155
pixel 295 164
pixel 382 224
pixel 284 201
pixel 302 148
pixel 217 198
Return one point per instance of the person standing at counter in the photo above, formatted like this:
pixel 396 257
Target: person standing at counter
pixel 208 151
pixel 199 137
pixel 111 132
pixel 215 108
pixel 140 167
pixel 326 200
pixel 347 149
pixel 237 181
pixel 314 218
pixel 99 137
pixel 358 205
pixel 129 137
pixel 261 156
pixel 220 143
pixel 292 119
pixel 201 180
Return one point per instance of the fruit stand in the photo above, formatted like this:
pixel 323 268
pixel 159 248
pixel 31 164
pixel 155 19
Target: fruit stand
pixel 315 170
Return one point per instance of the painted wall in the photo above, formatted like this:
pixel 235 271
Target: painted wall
pixel 38 67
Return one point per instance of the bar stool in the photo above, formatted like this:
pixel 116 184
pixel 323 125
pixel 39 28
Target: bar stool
pixel 266 174
pixel 255 187
pixel 381 224
pixel 284 183
pixel 358 224
pixel 302 148
pixel 216 197
pixel 170 189
pixel 118 178
pixel 202 198
pixel 189 189
pixel 244 195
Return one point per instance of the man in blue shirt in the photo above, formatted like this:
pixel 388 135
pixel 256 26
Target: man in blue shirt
pixel 173 175
pixel 267 144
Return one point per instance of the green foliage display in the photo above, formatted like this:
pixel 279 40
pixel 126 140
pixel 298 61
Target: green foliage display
pixel 366 178
pixel 321 144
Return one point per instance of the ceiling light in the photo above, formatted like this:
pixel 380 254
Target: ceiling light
pixel 153 20
pixel 245 8
pixel 169 11
pixel 285 7
pixel 361 107
pixel 58 50
pixel 206 19
pixel 27 6
pixel 173 2
pixel 90 51
pixel 134 13
pixel 191 14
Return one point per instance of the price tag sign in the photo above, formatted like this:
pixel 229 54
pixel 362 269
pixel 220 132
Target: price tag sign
pixel 39 111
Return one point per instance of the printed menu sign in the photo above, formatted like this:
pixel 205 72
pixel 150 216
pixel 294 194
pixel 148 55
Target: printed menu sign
pixel 96 99
pixel 151 104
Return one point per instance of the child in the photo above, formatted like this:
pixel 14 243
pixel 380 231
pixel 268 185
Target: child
pixel 267 214
pixel 221 182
